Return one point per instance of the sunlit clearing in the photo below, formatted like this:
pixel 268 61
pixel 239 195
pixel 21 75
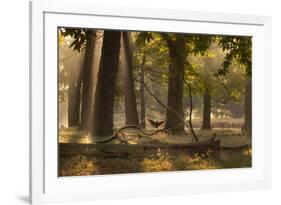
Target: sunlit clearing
pixel 87 139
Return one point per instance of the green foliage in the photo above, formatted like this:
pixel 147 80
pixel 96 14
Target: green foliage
pixel 79 35
pixel 202 71
pixel 208 59
pixel 201 43
pixel 143 37
pixel 157 46
pixel 157 60
pixel 237 48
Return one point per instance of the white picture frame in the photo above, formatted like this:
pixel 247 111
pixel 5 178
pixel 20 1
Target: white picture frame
pixel 46 186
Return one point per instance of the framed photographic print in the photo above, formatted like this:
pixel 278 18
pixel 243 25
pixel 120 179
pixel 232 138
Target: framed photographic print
pixel 130 102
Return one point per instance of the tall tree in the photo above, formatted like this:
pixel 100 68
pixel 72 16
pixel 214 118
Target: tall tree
pixel 74 94
pixel 74 98
pixel 177 47
pixel 248 107
pixel 215 89
pixel 129 89
pixel 105 88
pixel 206 124
pixel 240 49
pixel 87 76
pixel 177 54
pixel 142 96
pixel 180 47
pixel 82 39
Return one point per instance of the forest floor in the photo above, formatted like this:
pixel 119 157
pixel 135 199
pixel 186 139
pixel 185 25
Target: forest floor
pixel 78 156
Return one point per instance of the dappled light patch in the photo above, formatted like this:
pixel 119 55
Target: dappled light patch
pixel 77 166
pixel 152 165
pixel 247 152
pixel 198 163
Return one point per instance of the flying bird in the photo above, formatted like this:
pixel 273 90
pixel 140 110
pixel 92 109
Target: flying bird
pixel 156 123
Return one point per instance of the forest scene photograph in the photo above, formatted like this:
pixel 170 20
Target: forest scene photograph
pixel 145 101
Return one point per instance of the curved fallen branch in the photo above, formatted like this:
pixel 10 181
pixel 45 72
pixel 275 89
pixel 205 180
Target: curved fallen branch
pixel 115 134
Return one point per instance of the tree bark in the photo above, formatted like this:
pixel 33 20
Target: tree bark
pixel 74 98
pixel 177 53
pixel 87 88
pixel 142 98
pixel 248 107
pixel 206 125
pixel 129 91
pixel 105 88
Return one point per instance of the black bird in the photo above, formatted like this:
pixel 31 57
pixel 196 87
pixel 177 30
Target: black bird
pixel 156 123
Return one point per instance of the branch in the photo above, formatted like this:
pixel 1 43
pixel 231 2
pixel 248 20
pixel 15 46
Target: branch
pixel 115 134
pixel 190 111
pixel 167 107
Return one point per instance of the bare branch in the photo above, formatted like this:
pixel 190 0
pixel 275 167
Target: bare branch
pixel 167 107
pixel 190 111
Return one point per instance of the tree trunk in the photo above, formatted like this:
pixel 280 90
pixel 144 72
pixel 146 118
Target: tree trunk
pixel 248 107
pixel 177 53
pixel 87 89
pixel 129 91
pixel 142 98
pixel 105 88
pixel 206 125
pixel 74 98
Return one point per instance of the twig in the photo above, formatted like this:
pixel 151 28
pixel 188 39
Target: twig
pixel 190 111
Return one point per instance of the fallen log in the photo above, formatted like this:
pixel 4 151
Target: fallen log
pixel 118 150
pixel 244 146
